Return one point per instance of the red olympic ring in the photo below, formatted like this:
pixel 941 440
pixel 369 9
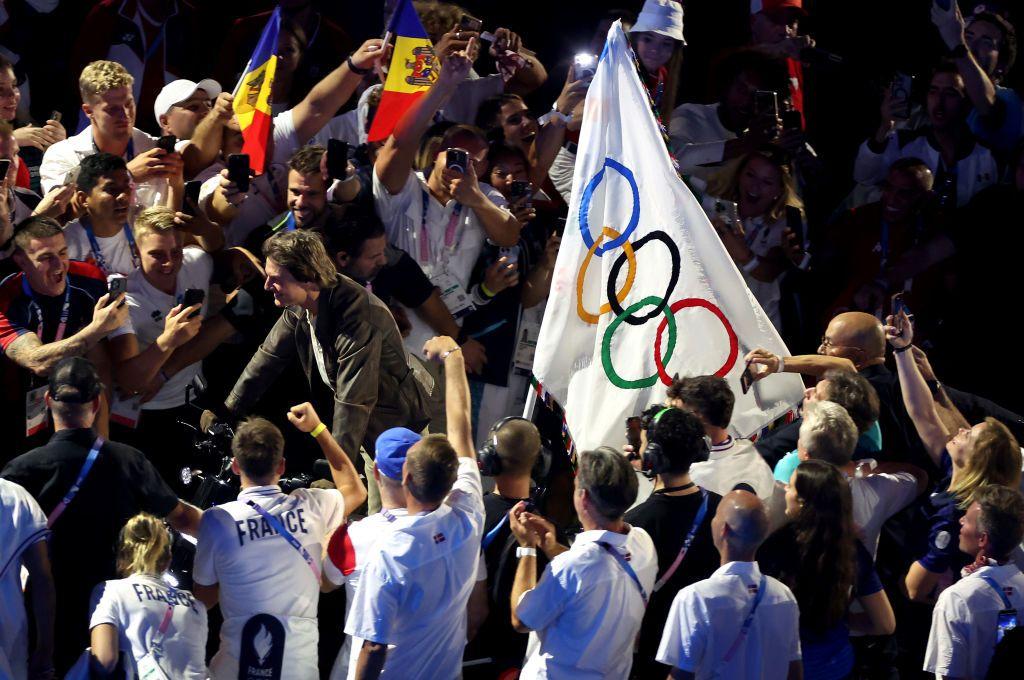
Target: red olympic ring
pixel 734 345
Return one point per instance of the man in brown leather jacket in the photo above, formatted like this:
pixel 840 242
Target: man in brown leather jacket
pixel 355 352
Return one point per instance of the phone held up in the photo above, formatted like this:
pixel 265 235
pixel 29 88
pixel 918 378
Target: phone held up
pixel 457 159
pixel 192 188
pixel 238 170
pixel 470 23
pixel 167 143
pixel 584 66
pixel 192 297
pixel 337 159
pixel 116 285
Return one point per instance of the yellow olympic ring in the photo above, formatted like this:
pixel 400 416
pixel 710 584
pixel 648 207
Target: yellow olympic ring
pixel 583 313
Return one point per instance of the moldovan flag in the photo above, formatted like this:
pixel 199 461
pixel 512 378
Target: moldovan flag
pixel 412 71
pixel 643 288
pixel 252 95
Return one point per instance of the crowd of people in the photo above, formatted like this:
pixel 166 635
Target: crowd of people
pixel 171 325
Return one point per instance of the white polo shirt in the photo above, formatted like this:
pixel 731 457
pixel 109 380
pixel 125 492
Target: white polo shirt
pixel 68 153
pixel 876 498
pixel 260 573
pixel 964 622
pixel 136 607
pixel 402 215
pixel 115 251
pixel 413 591
pixel 732 462
pixel 585 611
pixel 706 618
pixel 697 138
pixel 148 309
pixel 22 525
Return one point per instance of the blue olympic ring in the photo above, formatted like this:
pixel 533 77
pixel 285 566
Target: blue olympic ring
pixel 588 193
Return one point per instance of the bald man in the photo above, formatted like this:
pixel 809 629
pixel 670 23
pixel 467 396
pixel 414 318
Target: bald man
pixel 738 623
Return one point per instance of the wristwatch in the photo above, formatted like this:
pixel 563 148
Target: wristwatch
pixel 525 552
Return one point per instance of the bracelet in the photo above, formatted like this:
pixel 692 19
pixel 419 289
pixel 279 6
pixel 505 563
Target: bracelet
pixel 318 430
pixel 355 69
pixel 486 290
pixel 525 552
pixel 782 366
pixel 934 386
pixel 899 350
pixel 752 265
pixel 451 351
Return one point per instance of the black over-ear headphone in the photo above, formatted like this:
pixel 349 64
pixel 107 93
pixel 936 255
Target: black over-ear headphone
pixel 654 460
pixel 490 461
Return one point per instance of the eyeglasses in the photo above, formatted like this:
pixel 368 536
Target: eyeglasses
pixel 828 344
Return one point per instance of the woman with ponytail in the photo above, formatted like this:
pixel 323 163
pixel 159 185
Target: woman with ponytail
pixel 140 614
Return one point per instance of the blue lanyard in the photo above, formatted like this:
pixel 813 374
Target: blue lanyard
pixel 747 622
pixel 65 312
pixel 101 261
pixel 292 541
pixel 686 543
pixel 151 50
pixel 493 533
pixel 999 590
pixel 129 153
pixel 626 566
pixel 94 453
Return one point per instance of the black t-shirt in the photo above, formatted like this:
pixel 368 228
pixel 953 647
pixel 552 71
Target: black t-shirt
pixel 402 279
pixel 668 519
pixel 121 484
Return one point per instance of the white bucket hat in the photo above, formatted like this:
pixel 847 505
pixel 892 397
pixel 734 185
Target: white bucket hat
pixel 664 17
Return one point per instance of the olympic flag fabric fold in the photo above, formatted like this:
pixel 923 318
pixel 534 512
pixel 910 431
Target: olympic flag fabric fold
pixel 412 71
pixel 643 288
pixel 252 95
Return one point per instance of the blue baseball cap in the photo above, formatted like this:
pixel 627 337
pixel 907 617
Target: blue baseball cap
pixel 392 445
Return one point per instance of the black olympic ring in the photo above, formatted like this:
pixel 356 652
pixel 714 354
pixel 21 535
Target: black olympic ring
pixel 673 251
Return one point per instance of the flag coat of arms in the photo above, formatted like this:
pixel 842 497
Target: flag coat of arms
pixel 643 288
pixel 412 71
pixel 252 96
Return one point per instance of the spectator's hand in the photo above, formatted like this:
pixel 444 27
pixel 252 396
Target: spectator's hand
pixel 793 141
pixel 544 529
pixel 455 41
pixel 887 115
pixel 791 47
pixel 522 210
pixel 152 389
pixel 504 39
pixel 631 454
pixel 501 275
pixel 54 203
pixel 229 190
pixel 304 417
pixel 923 365
pixel 574 92
pixel 37 137
pixel 179 328
pixel 762 359
pixel 153 164
pixel 732 235
pixel 223 108
pixel 950 23
pixel 475 356
pixel 438 348
pixel 55 130
pixel 369 53
pixel 464 186
pixel 763 129
pixel 456 66
pixel 551 250
pixel 898 330
pixel 192 223
pixel 525 535
pixel 792 247
pixel 107 318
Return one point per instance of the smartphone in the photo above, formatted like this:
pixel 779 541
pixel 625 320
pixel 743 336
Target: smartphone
pixel 191 194
pixel 898 305
pixel 193 296
pixel 167 143
pixel 795 223
pixel 337 159
pixel 633 426
pixel 5 166
pixel 728 210
pixel 746 378
pixel 901 87
pixel 116 285
pixel 55 116
pixel 766 103
pixel 238 170
pixel 520 189
pixel 584 66
pixel 457 159
pixel 792 121
pixel 470 23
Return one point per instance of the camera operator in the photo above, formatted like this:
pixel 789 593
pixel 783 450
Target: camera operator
pixel 346 340
pixel 255 554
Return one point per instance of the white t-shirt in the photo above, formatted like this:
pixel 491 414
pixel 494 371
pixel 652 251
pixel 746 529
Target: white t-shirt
pixel 148 308
pixel 115 251
pixel 585 611
pixel 136 607
pixel 260 573
pixel 402 215
pixel 876 498
pixel 965 621
pixel 22 525
pixel 706 618
pixel 413 591
pixel 697 138
pixel 469 95
pixel 732 462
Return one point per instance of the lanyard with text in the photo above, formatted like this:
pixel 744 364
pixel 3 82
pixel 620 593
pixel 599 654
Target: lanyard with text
pixel 97 252
pixel 626 566
pixel 449 231
pixel 745 629
pixel 94 453
pixel 1007 618
pixel 65 312
pixel 275 523
pixel 686 543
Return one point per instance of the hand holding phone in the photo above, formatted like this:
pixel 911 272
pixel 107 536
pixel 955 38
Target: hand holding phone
pixel 238 170
pixel 191 196
pixel 747 377
pixel 633 426
pixel 766 103
pixel 584 66
pixel 192 297
pixel 899 90
pixel 167 143
pixel 337 159
pixel 5 167
pixel 117 285
pixel 457 159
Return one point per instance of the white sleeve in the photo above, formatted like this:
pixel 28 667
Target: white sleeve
pixel 948 648
pixel 684 640
pixel 561 172
pixel 870 167
pixel 468 493
pixel 28 523
pixel 286 141
pixel 469 94
pixel 330 505
pixel 895 491
pixel 204 569
pixel 57 161
pixel 106 606
pixel 390 207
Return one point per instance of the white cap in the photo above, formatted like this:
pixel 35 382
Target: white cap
pixel 664 17
pixel 180 90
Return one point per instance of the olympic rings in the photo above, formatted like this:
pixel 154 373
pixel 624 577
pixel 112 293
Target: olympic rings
pixel 673 251
pixel 606 347
pixel 676 306
pixel 627 253
pixel 588 193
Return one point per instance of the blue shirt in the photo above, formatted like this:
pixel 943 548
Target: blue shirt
pixel 1004 136
pixel 944 524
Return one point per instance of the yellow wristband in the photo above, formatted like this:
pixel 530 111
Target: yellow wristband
pixel 317 430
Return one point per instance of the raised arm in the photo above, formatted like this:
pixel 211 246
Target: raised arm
pixel 134 370
pixel 980 88
pixel 805 364
pixel 457 404
pixel 343 472
pixel 204 146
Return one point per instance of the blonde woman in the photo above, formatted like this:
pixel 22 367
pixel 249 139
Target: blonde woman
pixel 759 241
pixel 142 615
pixel 972 458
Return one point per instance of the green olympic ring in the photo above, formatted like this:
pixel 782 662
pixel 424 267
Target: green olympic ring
pixel 606 345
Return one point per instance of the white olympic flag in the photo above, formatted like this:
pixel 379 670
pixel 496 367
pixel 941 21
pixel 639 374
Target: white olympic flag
pixel 643 288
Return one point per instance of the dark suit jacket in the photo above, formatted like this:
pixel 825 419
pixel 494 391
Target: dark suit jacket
pixel 373 379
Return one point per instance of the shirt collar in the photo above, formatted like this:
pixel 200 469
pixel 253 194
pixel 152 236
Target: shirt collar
pixel 74 434
pixel 613 538
pixel 722 449
pixel 268 490
pixel 748 569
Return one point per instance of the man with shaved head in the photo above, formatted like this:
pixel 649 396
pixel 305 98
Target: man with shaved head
pixel 738 623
